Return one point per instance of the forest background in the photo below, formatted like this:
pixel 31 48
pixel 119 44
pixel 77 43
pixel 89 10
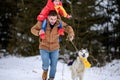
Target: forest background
pixel 96 24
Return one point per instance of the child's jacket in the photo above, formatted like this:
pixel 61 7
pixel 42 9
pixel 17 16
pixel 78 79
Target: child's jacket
pixel 50 6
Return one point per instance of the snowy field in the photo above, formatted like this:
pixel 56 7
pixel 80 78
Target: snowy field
pixel 13 68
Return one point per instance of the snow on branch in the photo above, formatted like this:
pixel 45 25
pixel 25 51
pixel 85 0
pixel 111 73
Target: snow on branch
pixel 68 1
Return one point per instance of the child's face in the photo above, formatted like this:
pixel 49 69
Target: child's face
pixel 56 2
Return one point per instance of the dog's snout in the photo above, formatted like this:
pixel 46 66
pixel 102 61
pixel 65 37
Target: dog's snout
pixel 83 55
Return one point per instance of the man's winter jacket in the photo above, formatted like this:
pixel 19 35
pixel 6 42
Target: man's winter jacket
pixel 51 41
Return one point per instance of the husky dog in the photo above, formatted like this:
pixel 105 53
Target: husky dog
pixel 78 66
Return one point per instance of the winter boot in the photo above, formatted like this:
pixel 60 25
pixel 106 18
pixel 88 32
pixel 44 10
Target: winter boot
pixel 50 79
pixel 44 75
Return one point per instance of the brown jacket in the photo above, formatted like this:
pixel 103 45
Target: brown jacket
pixel 51 41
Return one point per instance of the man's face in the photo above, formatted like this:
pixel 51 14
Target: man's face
pixel 52 19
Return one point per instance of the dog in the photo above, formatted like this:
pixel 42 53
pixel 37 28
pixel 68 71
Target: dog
pixel 79 65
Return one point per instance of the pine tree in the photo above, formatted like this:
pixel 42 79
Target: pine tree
pixel 22 41
pixel 91 22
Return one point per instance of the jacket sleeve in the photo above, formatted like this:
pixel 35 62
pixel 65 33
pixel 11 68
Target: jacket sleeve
pixel 61 10
pixel 68 29
pixel 36 28
pixel 43 14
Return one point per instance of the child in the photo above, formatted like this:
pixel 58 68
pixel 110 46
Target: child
pixel 52 5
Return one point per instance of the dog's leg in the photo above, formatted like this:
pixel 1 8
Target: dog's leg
pixel 81 76
pixel 73 75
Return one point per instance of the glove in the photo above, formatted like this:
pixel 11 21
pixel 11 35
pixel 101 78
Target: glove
pixel 42 34
pixel 68 16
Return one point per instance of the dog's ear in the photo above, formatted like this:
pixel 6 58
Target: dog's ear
pixel 86 50
pixel 82 48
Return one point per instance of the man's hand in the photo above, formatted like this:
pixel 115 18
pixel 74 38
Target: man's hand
pixel 70 38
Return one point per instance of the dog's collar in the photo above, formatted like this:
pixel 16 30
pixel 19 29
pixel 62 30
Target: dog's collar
pixel 85 62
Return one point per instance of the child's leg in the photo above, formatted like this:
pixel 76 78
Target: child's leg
pixel 43 29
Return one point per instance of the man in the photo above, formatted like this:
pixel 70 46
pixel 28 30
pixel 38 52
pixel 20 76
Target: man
pixel 49 46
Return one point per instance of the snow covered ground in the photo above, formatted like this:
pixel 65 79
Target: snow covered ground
pixel 14 68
